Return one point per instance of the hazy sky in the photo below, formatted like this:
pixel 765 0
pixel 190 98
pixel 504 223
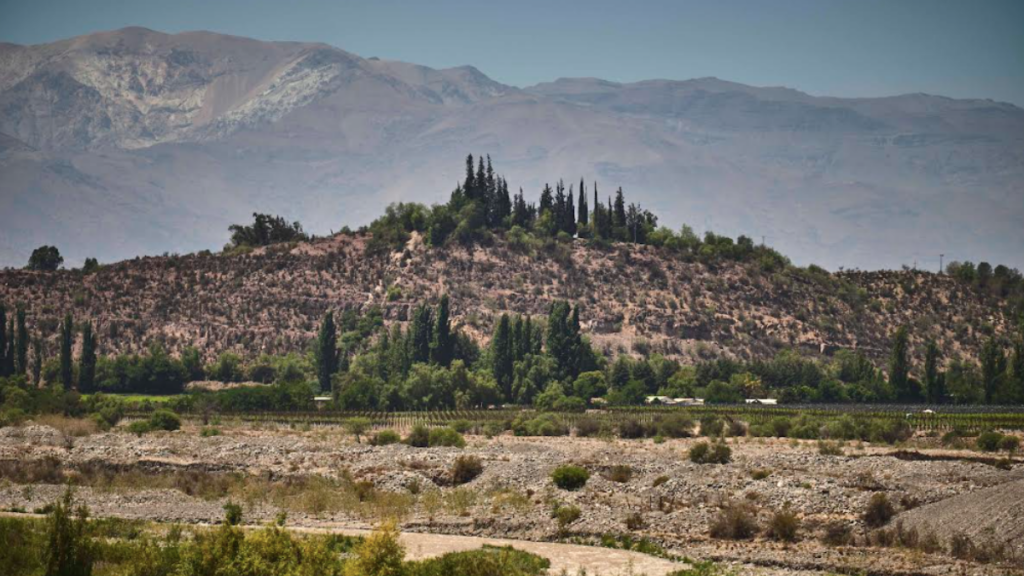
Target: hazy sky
pixel 970 48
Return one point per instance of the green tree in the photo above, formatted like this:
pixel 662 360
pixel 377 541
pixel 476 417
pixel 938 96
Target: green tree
pixel 442 346
pixel 563 339
pixel 87 363
pixel 583 217
pixel 993 366
pixel 899 365
pixel 1017 366
pixel 8 352
pixel 502 357
pixel 933 378
pixel 66 342
pixel 326 352
pixel 37 360
pixel 45 258
pixel 4 371
pixel 420 335
pixel 21 349
pixel 69 550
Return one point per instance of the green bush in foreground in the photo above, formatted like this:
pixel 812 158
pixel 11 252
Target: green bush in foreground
pixel 385 437
pixel 570 477
pixel 445 437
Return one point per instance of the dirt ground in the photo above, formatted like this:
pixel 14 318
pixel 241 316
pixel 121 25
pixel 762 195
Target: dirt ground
pixel 666 498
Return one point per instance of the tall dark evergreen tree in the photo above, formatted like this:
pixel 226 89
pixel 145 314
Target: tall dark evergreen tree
pixel 619 212
pixel 583 216
pixel 502 204
pixel 570 215
pixel 933 377
pixel 37 360
pixel 420 335
pixel 899 365
pixel 563 339
pixel 501 356
pixel 87 363
pixel 8 353
pixel 993 366
pixel 21 349
pixel 443 344
pixel 67 339
pixel 469 185
pixel 326 352
pixel 1017 366
pixel 3 341
pixel 518 350
pixel 520 211
pixel 547 201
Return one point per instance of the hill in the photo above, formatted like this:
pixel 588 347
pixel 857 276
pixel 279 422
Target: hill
pixel 134 141
pixel 634 299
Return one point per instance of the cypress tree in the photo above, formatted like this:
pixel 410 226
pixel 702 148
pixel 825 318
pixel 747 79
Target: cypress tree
pixel 933 380
pixel 547 203
pixel 501 356
pixel 66 342
pixel 563 339
pixel 1017 366
pixel 528 345
pixel 37 360
pixel 420 336
pixel 442 345
pixel 21 350
pixel 8 354
pixel 480 194
pixel 3 341
pixel 570 214
pixel 993 365
pixel 326 352
pixel 469 186
pixel 518 350
pixel 619 218
pixel 899 364
pixel 583 217
pixel 87 363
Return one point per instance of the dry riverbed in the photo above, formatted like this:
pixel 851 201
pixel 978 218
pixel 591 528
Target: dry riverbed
pixel 323 479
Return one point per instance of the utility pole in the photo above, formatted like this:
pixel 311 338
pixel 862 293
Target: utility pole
pixel 940 262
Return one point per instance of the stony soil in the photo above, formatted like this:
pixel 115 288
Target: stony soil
pixel 634 299
pixel 674 498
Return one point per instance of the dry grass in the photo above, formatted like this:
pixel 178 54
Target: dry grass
pixel 69 427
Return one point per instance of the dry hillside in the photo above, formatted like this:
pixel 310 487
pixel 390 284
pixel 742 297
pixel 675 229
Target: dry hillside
pixel 635 299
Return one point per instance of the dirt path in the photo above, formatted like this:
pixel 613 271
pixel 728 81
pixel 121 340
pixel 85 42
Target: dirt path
pixel 569 557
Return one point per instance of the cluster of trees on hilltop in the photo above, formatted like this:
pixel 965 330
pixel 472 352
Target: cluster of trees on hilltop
pixel 481 206
pixel 999 281
pixel 264 231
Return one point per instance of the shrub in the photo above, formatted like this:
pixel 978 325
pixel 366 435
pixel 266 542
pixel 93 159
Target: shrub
pixel 69 550
pixel 445 437
pixel 635 521
pixel 570 477
pixel 830 448
pixel 357 427
pixel 784 525
pixel 381 554
pixel 419 437
pixel 879 510
pixel 711 425
pixel 565 515
pixel 139 427
pixel 760 474
pixel 543 425
pixel 675 426
pixel 620 473
pixel 385 437
pixel 164 420
pixel 837 534
pixel 710 453
pixel 461 426
pixel 232 514
pixel 487 561
pixel 587 426
pixel 208 432
pixel 989 441
pixel 736 521
pixel 737 428
pixel 632 428
pixel 465 469
pixel 1009 443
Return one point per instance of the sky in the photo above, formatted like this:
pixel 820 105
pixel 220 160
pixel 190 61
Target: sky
pixel 965 49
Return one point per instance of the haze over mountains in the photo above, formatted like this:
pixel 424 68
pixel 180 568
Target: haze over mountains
pixel 135 142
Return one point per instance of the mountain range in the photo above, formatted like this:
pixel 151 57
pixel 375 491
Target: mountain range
pixel 131 142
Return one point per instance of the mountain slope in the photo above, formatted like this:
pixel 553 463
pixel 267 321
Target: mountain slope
pixel 134 141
